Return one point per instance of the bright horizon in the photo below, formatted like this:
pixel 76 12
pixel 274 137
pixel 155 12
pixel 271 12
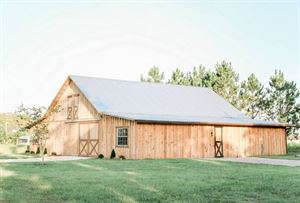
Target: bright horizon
pixel 42 43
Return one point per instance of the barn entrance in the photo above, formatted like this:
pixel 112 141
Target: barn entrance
pixel 88 139
pixel 219 142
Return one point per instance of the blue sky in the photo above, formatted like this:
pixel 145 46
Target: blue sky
pixel 44 41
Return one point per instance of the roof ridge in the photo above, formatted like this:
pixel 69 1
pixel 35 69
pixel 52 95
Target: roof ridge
pixel 109 113
pixel 142 82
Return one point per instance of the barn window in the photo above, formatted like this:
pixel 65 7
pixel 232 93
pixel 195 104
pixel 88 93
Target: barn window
pixel 73 106
pixel 69 109
pixel 122 136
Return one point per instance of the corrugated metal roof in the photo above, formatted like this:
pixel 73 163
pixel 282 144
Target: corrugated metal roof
pixel 144 101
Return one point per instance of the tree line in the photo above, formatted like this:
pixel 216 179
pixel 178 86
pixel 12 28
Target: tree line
pixel 278 101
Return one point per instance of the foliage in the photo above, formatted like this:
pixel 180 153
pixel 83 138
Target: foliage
pixel 199 77
pixel 122 157
pixel 101 156
pixel 113 154
pixel 154 75
pixel 32 120
pixel 179 78
pixel 45 151
pixel 251 97
pixel 281 104
pixel 38 151
pixel 225 82
pixel 8 128
pixel 2 135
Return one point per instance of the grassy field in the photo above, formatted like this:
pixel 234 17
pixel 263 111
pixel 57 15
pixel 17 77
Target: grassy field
pixel 293 149
pixel 177 180
pixel 10 151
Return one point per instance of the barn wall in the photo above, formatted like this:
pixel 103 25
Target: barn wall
pixel 197 141
pixel 108 135
pixel 174 141
pixel 253 141
pixel 63 133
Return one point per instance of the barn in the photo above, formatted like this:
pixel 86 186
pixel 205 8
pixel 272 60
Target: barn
pixel 148 120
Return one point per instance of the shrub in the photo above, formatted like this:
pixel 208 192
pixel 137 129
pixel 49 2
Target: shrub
pixel 38 150
pixel 122 157
pixel 113 154
pixel 53 154
pixel 101 156
pixel 45 151
pixel 32 152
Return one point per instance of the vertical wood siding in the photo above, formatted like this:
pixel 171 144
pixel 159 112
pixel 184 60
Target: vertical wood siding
pixel 107 137
pixel 253 141
pixel 174 141
pixel 197 141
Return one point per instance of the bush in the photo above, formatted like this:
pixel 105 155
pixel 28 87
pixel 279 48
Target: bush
pixel 113 154
pixel 53 154
pixel 122 157
pixel 32 152
pixel 101 156
pixel 27 151
pixel 38 150
pixel 45 151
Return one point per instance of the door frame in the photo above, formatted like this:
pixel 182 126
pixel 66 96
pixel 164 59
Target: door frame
pixel 219 150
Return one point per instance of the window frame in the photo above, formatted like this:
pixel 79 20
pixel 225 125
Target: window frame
pixel 73 106
pixel 117 136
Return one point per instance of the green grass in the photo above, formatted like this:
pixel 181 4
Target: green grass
pixel 10 151
pixel 293 150
pixel 177 180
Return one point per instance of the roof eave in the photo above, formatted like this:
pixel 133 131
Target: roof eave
pixel 215 123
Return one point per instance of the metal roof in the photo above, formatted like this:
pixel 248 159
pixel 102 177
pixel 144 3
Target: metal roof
pixel 154 102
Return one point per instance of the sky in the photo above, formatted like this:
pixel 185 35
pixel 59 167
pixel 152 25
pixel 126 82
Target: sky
pixel 42 42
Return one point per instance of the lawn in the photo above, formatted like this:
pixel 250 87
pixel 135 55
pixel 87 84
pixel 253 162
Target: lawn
pixel 177 180
pixel 293 150
pixel 10 151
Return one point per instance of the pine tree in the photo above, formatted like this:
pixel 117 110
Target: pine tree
pixel 281 104
pixel 251 97
pixel 154 75
pixel 113 154
pixel 225 82
pixel 177 77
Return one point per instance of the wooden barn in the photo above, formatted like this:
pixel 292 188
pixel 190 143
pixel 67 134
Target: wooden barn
pixel 149 120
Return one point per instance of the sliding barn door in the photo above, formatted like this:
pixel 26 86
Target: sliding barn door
pixel 71 139
pixel 88 139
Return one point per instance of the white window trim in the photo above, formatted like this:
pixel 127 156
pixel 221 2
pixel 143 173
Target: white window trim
pixel 117 135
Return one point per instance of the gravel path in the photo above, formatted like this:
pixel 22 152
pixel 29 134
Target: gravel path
pixel 255 160
pixel 50 158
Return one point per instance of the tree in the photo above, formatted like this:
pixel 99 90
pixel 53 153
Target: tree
pixel 2 135
pixel 154 75
pixel 202 77
pixel 251 97
pixel 224 82
pixel 178 78
pixel 281 104
pixel 32 121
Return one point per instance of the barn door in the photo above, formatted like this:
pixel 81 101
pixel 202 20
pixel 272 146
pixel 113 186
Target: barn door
pixel 88 139
pixel 219 142
pixel 71 139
